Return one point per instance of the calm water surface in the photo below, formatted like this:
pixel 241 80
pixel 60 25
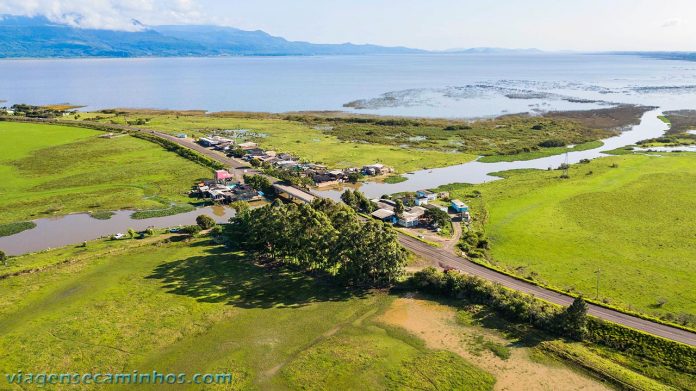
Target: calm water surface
pixel 463 86
pixel 477 172
pixel 421 85
pixel 61 231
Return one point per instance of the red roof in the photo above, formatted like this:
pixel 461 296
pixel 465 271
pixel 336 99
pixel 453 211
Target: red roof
pixel 222 174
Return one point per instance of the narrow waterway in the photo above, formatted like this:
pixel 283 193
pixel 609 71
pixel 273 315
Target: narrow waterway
pixel 477 172
pixel 76 228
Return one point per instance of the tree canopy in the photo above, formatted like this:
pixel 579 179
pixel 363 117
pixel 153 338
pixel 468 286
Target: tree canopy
pixel 322 236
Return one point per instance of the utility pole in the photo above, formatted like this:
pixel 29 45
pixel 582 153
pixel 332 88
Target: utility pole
pixel 597 272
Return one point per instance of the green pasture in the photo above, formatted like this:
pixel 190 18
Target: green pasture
pixel 49 170
pixel 629 219
pixel 194 307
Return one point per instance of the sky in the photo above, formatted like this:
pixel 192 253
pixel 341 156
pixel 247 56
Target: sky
pixel 587 25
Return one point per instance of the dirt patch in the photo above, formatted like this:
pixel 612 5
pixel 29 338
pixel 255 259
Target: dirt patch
pixel 436 325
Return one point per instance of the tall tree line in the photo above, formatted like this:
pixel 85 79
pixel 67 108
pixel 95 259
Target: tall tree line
pixel 325 236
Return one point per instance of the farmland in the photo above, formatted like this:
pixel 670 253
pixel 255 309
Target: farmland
pixel 50 170
pixel 628 218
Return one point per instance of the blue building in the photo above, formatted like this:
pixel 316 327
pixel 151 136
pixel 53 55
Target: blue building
pixel 459 206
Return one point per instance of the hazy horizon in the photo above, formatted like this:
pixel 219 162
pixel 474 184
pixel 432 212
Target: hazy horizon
pixel 594 25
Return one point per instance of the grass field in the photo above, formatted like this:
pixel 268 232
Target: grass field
pixel 308 143
pixel 49 170
pixel 194 307
pixel 631 217
pixel 406 144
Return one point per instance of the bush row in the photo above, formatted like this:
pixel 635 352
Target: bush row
pixel 181 151
pixel 660 350
pixel 552 318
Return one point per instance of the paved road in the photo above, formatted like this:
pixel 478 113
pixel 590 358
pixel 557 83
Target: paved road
pixel 446 259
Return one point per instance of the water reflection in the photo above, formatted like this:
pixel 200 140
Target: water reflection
pixel 55 232
pixel 478 172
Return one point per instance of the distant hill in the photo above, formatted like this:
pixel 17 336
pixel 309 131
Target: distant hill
pixel 38 37
pixel 487 50
pixel 684 56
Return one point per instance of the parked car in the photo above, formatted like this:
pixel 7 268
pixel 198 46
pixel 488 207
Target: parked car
pixel 119 236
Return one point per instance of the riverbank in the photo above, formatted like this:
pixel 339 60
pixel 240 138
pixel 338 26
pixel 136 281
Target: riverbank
pixel 622 222
pixel 342 140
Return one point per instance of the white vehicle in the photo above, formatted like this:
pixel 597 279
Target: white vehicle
pixel 119 236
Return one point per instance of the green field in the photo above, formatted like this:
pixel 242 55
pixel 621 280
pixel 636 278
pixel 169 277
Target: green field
pixel 631 217
pixel 308 143
pixel 191 307
pixel 49 170
pixel 339 140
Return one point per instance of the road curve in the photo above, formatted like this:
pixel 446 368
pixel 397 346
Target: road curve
pixel 444 258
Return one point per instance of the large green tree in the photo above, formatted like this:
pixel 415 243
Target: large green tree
pixel 323 236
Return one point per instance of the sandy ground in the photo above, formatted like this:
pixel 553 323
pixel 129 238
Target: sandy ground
pixel 436 325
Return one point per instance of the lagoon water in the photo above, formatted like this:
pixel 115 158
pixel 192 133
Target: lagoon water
pixel 442 85
pixel 75 228
pixel 462 86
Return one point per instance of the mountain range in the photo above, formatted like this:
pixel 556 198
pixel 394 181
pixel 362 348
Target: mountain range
pixel 38 37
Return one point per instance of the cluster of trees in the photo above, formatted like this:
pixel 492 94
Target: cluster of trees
pixel 260 183
pixel 570 322
pixel 292 177
pixel 552 143
pixel 138 122
pixel 437 217
pixel 358 201
pixel 321 236
pixel 474 243
pixel 31 111
pixel 205 222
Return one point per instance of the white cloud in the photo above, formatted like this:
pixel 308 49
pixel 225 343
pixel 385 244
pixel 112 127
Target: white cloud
pixel 671 23
pixel 108 14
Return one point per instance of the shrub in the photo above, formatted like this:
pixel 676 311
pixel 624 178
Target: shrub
pixel 552 143
pixel 205 222
pixel 191 230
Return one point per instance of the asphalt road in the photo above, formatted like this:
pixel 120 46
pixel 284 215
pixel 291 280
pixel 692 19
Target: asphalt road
pixel 445 259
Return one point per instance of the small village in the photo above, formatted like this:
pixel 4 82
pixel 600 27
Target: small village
pixel 319 175
pixel 416 210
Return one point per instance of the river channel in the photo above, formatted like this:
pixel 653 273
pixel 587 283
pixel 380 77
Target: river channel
pixel 76 228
